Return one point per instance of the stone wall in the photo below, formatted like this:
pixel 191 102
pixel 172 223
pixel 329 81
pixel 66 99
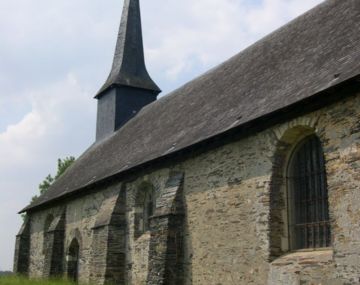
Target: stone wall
pixel 226 197
pixel 233 228
pixel 138 246
pixel 81 215
pixel 53 247
pixel 37 241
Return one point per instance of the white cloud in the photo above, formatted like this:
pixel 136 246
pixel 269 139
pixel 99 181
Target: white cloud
pixel 56 54
pixel 60 123
pixel 199 34
pixel 274 13
pixel 56 111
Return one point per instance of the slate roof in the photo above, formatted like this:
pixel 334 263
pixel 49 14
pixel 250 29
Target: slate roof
pixel 316 51
pixel 129 65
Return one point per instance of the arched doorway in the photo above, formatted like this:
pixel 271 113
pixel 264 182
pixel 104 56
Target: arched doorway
pixel 73 260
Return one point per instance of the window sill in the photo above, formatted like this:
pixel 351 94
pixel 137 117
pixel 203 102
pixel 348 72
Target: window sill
pixel 322 249
pixel 305 257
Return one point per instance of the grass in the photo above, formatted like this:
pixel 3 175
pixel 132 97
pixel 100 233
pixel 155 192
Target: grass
pixel 16 280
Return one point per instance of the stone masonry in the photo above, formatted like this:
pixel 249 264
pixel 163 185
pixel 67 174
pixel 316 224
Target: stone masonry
pixel 220 216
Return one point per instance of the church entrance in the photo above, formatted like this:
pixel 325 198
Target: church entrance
pixel 73 261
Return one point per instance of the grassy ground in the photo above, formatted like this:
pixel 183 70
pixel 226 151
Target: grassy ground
pixel 14 280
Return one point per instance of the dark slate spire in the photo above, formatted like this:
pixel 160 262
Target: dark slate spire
pixel 129 87
pixel 128 67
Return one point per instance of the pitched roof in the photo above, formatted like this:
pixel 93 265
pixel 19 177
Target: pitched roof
pixel 316 51
pixel 129 65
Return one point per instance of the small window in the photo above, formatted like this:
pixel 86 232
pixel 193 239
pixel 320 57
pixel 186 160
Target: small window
pixel 145 205
pixel 309 225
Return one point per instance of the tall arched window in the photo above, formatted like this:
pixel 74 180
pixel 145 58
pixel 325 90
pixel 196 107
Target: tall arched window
pixel 148 209
pixel 309 225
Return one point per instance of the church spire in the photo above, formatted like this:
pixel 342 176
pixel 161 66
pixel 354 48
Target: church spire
pixel 128 67
pixel 129 87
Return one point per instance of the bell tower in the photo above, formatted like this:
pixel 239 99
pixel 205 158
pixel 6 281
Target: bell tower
pixel 129 86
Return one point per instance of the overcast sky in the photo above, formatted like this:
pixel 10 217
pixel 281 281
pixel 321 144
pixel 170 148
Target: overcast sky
pixel 55 55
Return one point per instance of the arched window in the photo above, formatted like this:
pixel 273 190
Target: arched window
pixel 309 225
pixel 144 208
pixel 148 209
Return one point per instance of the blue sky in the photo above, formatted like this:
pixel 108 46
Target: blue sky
pixel 55 55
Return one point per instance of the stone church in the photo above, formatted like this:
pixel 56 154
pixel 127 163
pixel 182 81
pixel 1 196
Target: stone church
pixel 248 174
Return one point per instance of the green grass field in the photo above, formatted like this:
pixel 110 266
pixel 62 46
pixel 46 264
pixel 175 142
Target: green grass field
pixel 14 280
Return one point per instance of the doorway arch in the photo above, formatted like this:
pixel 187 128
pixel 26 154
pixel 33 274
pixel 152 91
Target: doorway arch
pixel 73 257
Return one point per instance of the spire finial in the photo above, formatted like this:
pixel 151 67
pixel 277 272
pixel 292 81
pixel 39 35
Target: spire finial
pixel 128 67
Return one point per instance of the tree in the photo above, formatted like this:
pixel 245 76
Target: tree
pixel 62 165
